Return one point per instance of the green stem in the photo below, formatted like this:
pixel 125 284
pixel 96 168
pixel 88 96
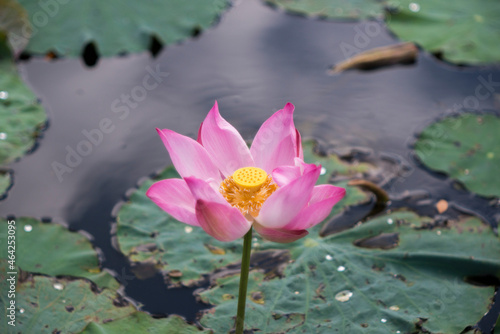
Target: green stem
pixel 245 267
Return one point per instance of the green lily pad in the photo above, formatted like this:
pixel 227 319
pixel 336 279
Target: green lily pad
pixel 21 116
pixel 116 26
pixel 465 147
pixel 333 9
pixel 140 322
pixel 5 183
pixel 462 31
pixel 14 23
pixel 148 235
pixel 65 305
pixel 52 250
pixel 60 305
pixel 393 274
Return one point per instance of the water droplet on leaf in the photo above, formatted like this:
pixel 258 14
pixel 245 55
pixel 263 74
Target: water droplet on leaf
pixel 58 286
pixel 414 7
pixel 343 296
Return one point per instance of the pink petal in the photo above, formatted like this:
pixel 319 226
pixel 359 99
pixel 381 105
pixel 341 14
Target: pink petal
pixel 188 156
pixel 224 143
pixel 215 215
pixel 222 222
pixel 174 197
pixel 323 198
pixel 285 174
pixel 275 144
pixel 279 235
pixel 304 166
pixel 199 135
pixel 298 140
pixel 286 202
pixel 204 190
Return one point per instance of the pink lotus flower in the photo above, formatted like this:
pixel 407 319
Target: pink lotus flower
pixel 227 187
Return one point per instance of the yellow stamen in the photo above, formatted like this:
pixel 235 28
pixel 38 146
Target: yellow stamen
pixel 247 189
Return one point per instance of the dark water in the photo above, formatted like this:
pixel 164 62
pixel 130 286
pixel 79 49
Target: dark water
pixel 253 62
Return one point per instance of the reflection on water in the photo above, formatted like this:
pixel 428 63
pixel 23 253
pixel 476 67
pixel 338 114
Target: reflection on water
pixel 102 139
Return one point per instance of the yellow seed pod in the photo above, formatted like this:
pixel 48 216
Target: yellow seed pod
pixel 251 178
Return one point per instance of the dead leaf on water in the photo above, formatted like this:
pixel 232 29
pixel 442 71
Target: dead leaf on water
pixel 402 53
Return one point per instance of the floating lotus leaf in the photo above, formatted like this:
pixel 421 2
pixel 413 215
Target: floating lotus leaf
pixel 15 24
pixel 116 26
pixel 462 31
pixel 147 234
pixel 466 148
pixel 21 116
pixel 52 250
pixel 333 9
pixel 65 305
pixel 140 322
pixel 59 305
pixel 397 273
pixel 5 183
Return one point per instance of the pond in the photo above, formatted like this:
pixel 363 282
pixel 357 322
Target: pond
pixel 253 61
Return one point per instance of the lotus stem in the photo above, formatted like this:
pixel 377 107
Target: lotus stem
pixel 245 268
